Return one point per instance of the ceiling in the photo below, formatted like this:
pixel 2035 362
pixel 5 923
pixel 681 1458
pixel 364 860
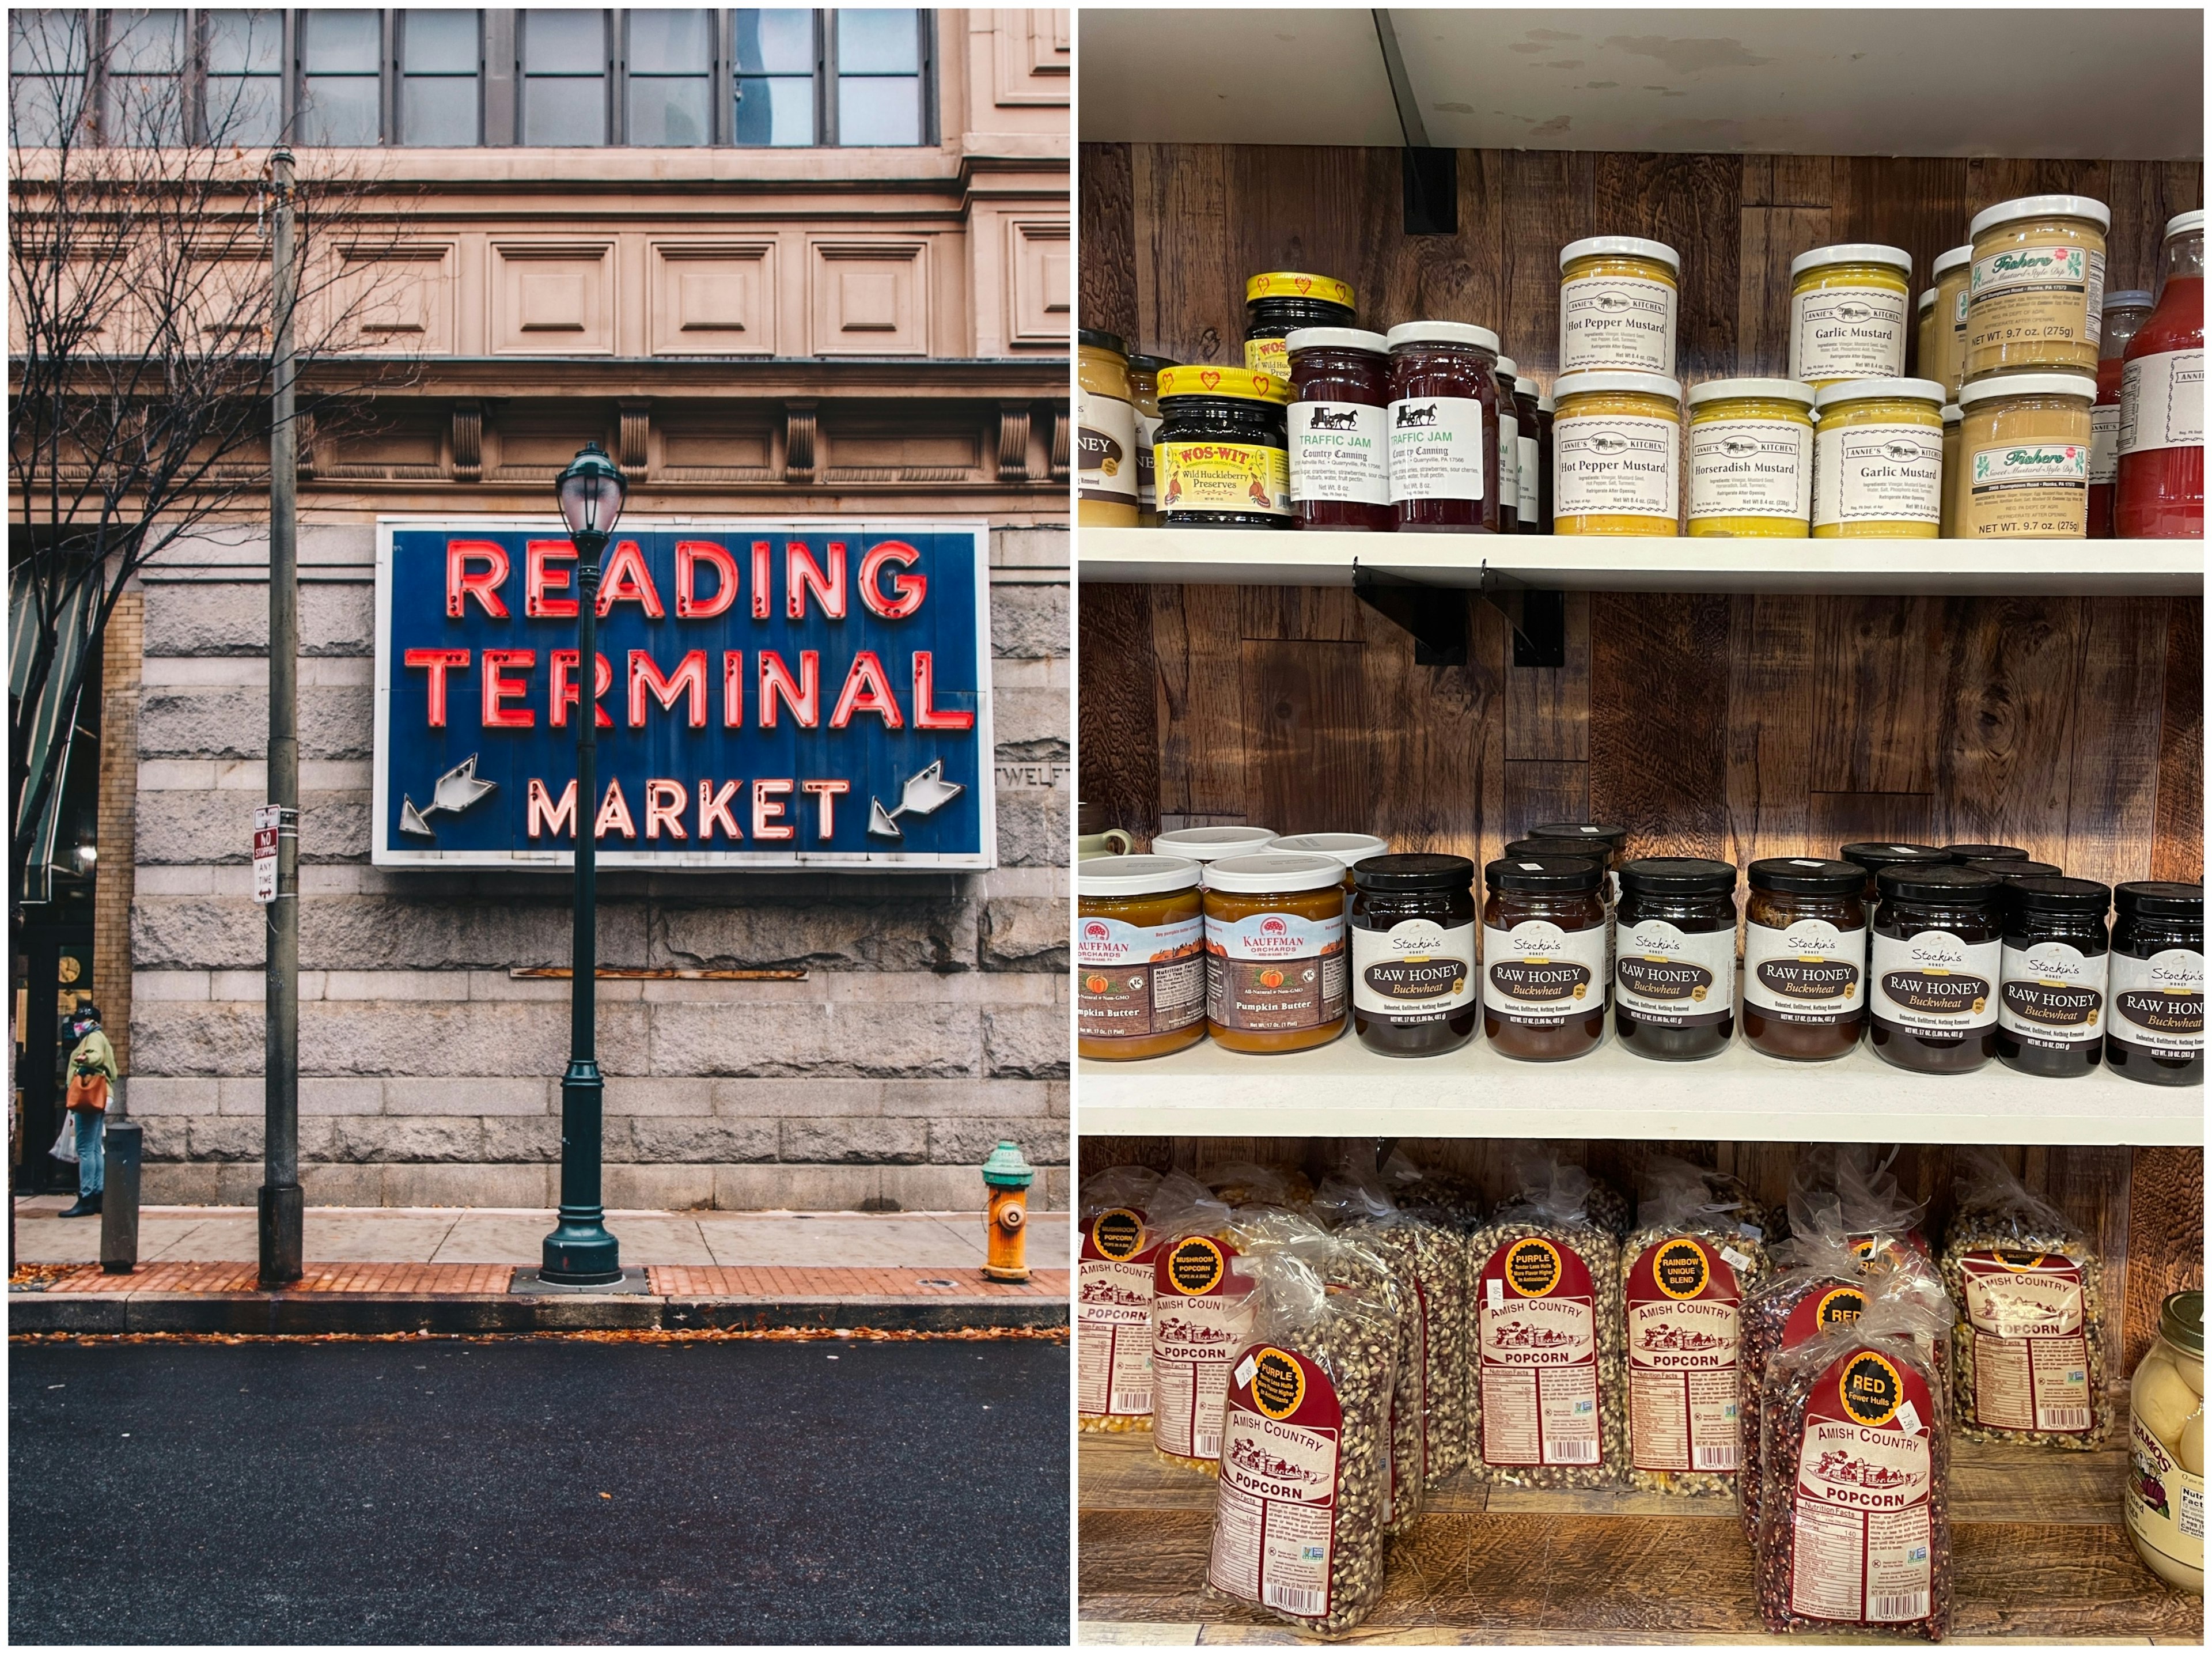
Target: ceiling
pixel 2076 83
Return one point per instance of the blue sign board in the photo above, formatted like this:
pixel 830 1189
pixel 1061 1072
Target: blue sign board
pixel 810 693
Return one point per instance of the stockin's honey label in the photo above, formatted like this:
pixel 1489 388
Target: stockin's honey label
pixel 1105 448
pixel 2157 1003
pixel 1223 477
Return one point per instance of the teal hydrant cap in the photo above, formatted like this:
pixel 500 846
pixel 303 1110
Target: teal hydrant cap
pixel 1005 1168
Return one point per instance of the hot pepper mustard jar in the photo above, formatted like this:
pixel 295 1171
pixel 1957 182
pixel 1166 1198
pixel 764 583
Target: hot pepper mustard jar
pixel 1751 459
pixel 1618 296
pixel 1848 305
pixel 1105 433
pixel 2025 448
pixel 2037 294
pixel 1878 460
pixel 1617 441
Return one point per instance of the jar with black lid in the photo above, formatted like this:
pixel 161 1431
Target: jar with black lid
pixel 1223 459
pixel 1965 853
pixel 1607 842
pixel 1528 423
pixel 1444 428
pixel 2009 871
pixel 1339 428
pixel 1584 848
pixel 1145 393
pixel 2051 992
pixel 1508 448
pixel 1937 951
pixel 1873 856
pixel 1281 301
pixel 1804 958
pixel 2156 1031
pixel 1544 955
pixel 1413 953
pixel 1673 976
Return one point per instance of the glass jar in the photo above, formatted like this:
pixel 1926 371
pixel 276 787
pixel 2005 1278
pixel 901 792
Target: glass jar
pixel 1528 422
pixel 1545 955
pixel 1953 274
pixel 1985 853
pixel 2051 982
pixel 1872 858
pixel 1751 459
pixel 1954 418
pixel 1274 951
pixel 2125 315
pixel 1413 954
pixel 1144 395
pixel 2034 294
pixel 1618 296
pixel 1936 948
pixel 1847 313
pixel 1205 844
pixel 1140 958
pixel 1878 460
pixel 2009 871
pixel 1548 464
pixel 2161 478
pixel 1444 428
pixel 2156 1031
pixel 2166 1446
pixel 1350 848
pixel 1804 958
pixel 1607 842
pixel 1618 438
pixel 1339 429
pixel 1105 433
pixel 1673 974
pixel 2025 451
pixel 1223 459
pixel 1508 448
pixel 1277 304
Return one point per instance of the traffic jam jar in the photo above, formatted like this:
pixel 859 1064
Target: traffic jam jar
pixel 1673 975
pixel 1618 298
pixel 1277 304
pixel 2125 315
pixel 1936 953
pixel 1848 310
pixel 1444 428
pixel 1508 448
pixel 2051 988
pixel 1617 440
pixel 1340 429
pixel 2156 1031
pixel 1751 459
pixel 1139 957
pixel 2026 446
pixel 1105 433
pixel 1544 958
pixel 1528 421
pixel 1275 979
pixel 1804 958
pixel 2036 293
pixel 2161 476
pixel 1878 460
pixel 1413 954
pixel 1223 457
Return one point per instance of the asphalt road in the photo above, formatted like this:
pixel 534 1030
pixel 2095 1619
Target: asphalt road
pixel 838 1491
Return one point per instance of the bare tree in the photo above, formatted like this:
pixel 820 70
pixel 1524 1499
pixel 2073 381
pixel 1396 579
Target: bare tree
pixel 142 320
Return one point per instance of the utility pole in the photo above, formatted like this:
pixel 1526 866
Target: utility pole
pixel 282 1214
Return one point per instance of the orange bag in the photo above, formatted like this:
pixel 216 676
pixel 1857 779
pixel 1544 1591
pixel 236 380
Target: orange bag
pixel 88 1092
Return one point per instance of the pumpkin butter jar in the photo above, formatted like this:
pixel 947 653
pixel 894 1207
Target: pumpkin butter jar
pixel 1804 958
pixel 1205 844
pixel 1275 977
pixel 1673 976
pixel 1350 848
pixel 1545 947
pixel 1413 954
pixel 1937 954
pixel 1140 958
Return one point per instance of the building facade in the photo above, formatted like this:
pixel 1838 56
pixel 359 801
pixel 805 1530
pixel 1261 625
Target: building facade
pixel 780 265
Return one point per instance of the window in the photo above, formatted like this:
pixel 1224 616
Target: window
pixel 47 56
pixel 670 83
pixel 341 83
pixel 244 102
pixel 879 77
pixel 775 60
pixel 440 53
pixel 145 95
pixel 564 76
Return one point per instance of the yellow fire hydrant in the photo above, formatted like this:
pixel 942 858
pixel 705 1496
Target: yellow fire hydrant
pixel 1008 1176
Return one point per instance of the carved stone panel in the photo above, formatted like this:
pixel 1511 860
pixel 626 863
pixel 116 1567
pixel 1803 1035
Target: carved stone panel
pixel 553 299
pixel 713 297
pixel 393 299
pixel 1034 53
pixel 869 444
pixel 871 298
pixel 1039 279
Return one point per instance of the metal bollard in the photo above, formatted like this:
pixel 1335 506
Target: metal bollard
pixel 119 1206
pixel 1008 1176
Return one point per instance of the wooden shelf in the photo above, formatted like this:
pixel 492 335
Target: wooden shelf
pixel 1344 1090
pixel 1900 567
pixel 2040 1557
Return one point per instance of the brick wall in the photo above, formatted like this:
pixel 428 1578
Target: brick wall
pixel 121 646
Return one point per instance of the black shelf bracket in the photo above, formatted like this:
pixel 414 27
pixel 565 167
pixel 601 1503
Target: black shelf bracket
pixel 1436 615
pixel 1538 617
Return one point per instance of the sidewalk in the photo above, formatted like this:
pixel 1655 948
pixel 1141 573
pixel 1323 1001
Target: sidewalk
pixel 449 1270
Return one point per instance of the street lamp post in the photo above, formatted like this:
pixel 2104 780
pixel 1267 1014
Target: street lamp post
pixel 579 1252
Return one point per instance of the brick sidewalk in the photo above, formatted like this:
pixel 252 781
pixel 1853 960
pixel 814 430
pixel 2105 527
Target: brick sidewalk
pixel 666 1281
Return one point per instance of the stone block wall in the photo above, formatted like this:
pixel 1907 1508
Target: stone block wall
pixel 932 1020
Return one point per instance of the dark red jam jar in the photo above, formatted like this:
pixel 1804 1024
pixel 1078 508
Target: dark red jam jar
pixel 1340 430
pixel 1545 414
pixel 2156 1031
pixel 1444 428
pixel 1508 448
pixel 2052 988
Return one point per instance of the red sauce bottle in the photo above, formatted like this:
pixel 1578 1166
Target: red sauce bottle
pixel 2161 486
pixel 2125 315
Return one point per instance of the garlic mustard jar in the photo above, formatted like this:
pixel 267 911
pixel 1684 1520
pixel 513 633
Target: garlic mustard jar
pixel 1848 310
pixel 1878 460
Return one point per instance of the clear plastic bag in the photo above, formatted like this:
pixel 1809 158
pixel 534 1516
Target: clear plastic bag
pixel 1114 1300
pixel 1449 1198
pixel 1242 1182
pixel 1201 1314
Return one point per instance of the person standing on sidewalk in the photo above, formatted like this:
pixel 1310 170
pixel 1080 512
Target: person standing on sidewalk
pixel 91 1076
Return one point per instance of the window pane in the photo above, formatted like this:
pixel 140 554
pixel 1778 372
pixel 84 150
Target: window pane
pixel 671 43
pixel 339 109
pixel 775 42
pixel 880 109
pixel 778 112
pixel 243 109
pixel 878 43
pixel 565 110
pixel 145 42
pixel 340 41
pixel 46 42
pixel 564 42
pixel 438 42
pixel 669 110
pixel 438 109
pixel 245 42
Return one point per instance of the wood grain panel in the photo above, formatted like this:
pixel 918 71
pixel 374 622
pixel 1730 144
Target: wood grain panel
pixel 1107 284
pixel 1435 774
pixel 1770 721
pixel 2166 1238
pixel 1190 296
pixel 2010 697
pixel 1768 238
pixel 1548 707
pixel 1200 705
pixel 1658 754
pixel 1536 790
pixel 2090 1186
pixel 1835 819
pixel 2178 850
pixel 1117 749
pixel 2113 791
pixel 1305 738
pixel 1681 200
pixel 1871 680
pixel 1548 204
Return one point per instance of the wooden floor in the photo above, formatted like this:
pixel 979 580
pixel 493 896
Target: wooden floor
pixel 2041 1558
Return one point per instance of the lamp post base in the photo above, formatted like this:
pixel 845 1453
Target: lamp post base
pixel 581 1253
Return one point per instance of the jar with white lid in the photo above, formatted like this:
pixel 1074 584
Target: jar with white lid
pixel 1617 441
pixel 1140 958
pixel 1278 977
pixel 2165 1502
pixel 1954 419
pixel 1751 459
pixel 1618 297
pixel 1953 274
pixel 1350 848
pixel 1445 463
pixel 1532 487
pixel 1203 844
pixel 1924 335
pixel 2024 451
pixel 1508 448
pixel 1847 305
pixel 1878 460
pixel 1339 429
pixel 2036 301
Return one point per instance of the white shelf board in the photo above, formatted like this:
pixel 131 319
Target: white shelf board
pixel 1608 563
pixel 1344 1090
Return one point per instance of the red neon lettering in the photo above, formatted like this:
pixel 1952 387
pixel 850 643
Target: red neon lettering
pixel 826 792
pixel 867 689
pixel 802 574
pixel 925 715
pixel 483 585
pixel 909 589
pixel 613 813
pixel 734 689
pixel 564 688
pixel 437 663
pixel 628 579
pixel 768 809
pixel 540 582
pixel 804 697
pixel 664 808
pixel 553 817
pixel 714 807
pixel 499 688
pixel 760 580
pixel 689 555
pixel 690 676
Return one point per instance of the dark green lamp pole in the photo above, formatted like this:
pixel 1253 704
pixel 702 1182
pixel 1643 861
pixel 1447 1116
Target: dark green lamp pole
pixel 579 1252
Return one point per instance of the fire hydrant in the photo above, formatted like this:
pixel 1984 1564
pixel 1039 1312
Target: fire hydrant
pixel 1008 1176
